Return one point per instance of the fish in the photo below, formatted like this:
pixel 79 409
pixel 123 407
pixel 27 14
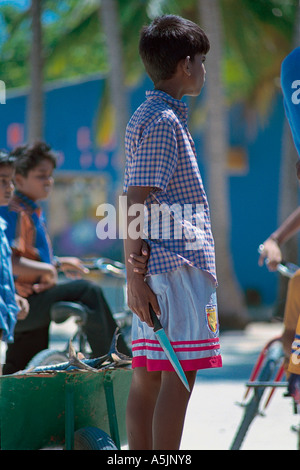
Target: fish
pixel 112 359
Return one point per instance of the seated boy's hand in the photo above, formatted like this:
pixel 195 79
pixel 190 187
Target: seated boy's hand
pixel 72 267
pixel 139 296
pixel 23 306
pixel 45 282
pixel 23 289
pixel 139 262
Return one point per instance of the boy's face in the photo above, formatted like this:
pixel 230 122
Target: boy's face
pixel 38 182
pixel 197 75
pixel 6 184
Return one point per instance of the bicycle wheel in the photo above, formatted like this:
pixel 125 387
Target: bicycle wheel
pixel 47 357
pixel 92 438
pixel 252 407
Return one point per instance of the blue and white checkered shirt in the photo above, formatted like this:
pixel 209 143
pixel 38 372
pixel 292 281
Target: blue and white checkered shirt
pixel 8 305
pixel 160 153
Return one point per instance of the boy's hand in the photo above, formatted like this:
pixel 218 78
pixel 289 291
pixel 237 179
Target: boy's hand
pixel 23 306
pixel 139 295
pixel 72 267
pixel 139 262
pixel 24 289
pixel 45 282
pixel 271 253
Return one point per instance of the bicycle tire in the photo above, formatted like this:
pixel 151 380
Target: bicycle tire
pixel 92 438
pixel 47 357
pixel 252 407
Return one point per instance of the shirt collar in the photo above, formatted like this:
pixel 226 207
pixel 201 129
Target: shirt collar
pixel 178 106
pixel 26 200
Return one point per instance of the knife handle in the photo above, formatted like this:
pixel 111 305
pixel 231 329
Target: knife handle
pixel 155 320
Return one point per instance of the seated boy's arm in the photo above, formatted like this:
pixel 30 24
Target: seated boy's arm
pixel 32 276
pixel 29 271
pixel 139 293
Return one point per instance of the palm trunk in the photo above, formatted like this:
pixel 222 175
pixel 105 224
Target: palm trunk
pixel 111 26
pixel 35 98
pixel 232 309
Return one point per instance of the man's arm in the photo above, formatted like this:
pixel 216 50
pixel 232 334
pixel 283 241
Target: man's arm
pixel 138 292
pixel 271 247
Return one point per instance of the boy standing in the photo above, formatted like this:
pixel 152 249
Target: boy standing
pixel 161 173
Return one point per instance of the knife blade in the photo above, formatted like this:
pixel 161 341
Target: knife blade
pixel 167 347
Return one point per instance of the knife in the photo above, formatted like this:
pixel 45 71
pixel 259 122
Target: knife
pixel 167 347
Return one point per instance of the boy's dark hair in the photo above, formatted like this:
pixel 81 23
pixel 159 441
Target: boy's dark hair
pixel 166 41
pixel 28 157
pixel 6 159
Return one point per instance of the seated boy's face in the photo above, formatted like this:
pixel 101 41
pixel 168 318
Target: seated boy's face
pixel 38 182
pixel 6 184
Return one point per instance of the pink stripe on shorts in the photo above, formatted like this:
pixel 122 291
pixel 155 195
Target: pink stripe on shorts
pixel 188 306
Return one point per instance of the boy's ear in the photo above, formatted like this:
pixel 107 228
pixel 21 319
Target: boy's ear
pixel 186 65
pixel 18 179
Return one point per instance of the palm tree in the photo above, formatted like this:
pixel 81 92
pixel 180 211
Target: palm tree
pixel 110 20
pixel 231 303
pixel 35 121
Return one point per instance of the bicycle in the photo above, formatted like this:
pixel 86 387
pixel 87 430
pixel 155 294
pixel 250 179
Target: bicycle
pixel 268 372
pixel 62 311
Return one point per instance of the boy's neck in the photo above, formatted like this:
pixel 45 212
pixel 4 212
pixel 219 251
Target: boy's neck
pixel 171 88
pixel 20 193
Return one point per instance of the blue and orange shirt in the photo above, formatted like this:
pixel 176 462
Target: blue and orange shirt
pixel 26 230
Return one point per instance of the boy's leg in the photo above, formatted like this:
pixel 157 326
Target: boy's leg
pixel 170 410
pixel 141 403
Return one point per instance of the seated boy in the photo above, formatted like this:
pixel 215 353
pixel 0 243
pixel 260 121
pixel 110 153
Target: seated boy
pixel 28 238
pixel 162 174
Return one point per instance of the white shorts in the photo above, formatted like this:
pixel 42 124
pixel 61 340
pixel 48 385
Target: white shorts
pixel 188 306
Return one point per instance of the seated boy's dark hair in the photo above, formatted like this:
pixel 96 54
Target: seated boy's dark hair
pixel 6 159
pixel 166 41
pixel 28 157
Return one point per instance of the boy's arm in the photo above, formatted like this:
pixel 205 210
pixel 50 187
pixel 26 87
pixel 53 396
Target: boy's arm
pixel 272 245
pixel 28 270
pixel 138 292
pixel 32 276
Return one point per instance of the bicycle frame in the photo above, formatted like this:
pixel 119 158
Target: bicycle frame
pixel 268 372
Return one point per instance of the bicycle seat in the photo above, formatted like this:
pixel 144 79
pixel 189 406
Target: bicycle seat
pixel 61 311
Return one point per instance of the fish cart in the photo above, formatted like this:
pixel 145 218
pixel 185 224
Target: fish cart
pixel 72 409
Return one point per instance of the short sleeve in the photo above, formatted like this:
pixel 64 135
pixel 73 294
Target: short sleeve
pixel 155 159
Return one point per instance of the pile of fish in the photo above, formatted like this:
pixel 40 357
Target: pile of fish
pixel 112 359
